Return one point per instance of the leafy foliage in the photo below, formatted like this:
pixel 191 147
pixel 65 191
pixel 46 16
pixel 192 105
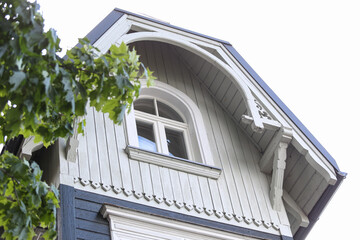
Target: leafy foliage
pixel 26 201
pixel 41 95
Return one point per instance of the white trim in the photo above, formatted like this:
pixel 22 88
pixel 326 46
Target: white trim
pixel 177 40
pixel 300 141
pixel 200 150
pixel 173 162
pixel 191 42
pixel 127 224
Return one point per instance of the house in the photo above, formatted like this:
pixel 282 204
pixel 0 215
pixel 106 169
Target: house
pixel 208 152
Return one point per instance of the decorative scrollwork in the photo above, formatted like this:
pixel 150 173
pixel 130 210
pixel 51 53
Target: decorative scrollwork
pixel 262 111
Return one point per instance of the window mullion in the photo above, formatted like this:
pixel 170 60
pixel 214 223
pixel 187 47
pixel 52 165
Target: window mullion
pixel 162 138
pixel 156 107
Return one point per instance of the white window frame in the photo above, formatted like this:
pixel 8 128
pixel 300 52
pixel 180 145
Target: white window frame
pixel 161 123
pixel 199 152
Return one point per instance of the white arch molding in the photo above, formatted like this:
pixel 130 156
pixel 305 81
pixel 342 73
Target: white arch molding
pixel 179 41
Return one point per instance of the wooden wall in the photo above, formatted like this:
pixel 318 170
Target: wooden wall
pixel 241 189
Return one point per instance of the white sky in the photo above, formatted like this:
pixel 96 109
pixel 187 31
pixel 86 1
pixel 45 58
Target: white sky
pixel 308 52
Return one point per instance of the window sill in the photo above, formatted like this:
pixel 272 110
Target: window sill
pixel 173 162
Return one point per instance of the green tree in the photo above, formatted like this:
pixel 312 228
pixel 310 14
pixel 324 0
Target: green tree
pixel 42 95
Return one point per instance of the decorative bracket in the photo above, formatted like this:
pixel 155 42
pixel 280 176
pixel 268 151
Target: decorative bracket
pixel 291 206
pixel 71 146
pixel 274 159
pixel 72 143
pixel 261 117
pixel 29 146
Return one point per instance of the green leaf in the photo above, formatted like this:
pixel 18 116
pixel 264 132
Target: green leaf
pixel 16 79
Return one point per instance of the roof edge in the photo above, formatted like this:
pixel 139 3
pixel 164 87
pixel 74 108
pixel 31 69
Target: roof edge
pixel 319 207
pixel 282 106
pixel 170 25
pixel 117 13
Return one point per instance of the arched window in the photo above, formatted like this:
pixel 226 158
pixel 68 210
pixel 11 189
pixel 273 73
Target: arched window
pixel 165 127
pixel 160 128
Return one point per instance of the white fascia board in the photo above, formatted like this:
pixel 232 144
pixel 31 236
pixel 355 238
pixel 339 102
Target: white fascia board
pixel 156 27
pixel 300 141
pixel 155 227
pixel 119 28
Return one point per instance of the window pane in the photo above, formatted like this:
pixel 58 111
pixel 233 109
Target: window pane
pixel 167 112
pixel 146 136
pixel 145 105
pixel 176 143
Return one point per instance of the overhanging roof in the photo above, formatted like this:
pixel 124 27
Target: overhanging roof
pixel 117 13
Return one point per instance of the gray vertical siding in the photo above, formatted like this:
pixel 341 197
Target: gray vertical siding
pixel 241 191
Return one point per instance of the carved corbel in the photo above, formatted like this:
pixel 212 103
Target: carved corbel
pixel 274 160
pixel 29 146
pixel 276 186
pixel 72 143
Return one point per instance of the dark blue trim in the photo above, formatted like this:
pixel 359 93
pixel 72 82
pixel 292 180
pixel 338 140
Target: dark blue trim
pixel 169 25
pixel 319 207
pixel 280 103
pixel 103 26
pixel 67 213
pixel 92 200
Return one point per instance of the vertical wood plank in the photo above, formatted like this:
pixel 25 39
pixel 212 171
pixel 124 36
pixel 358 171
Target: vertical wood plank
pixel 92 147
pixel 156 183
pixel 103 150
pixel 263 189
pixel 245 164
pixel 166 184
pixel 112 153
pixel 83 156
pixel 136 178
pixel 159 62
pixel 186 190
pixel 196 192
pixel 176 186
pixel 227 159
pixel 239 168
pixel 151 59
pixel 177 66
pixel 206 196
pixel 123 159
pixel 168 67
pixel 146 180
pixel 255 170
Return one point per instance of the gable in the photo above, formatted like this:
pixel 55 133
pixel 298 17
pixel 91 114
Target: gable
pixel 274 175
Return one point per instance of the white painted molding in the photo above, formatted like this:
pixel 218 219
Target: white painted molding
pixel 292 207
pixel 201 151
pixel 173 162
pixel 29 146
pixel 182 42
pixel 266 162
pixel 274 160
pixel 277 179
pixel 321 167
pixel 127 224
